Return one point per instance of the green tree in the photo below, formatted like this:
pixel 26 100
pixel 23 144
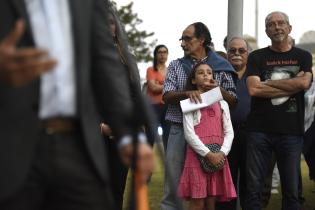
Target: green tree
pixel 138 39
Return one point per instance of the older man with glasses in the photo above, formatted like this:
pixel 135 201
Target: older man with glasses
pixel 237 54
pixel 278 76
pixel 195 42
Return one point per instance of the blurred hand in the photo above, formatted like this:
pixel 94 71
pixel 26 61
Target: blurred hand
pixel 210 85
pixel 18 66
pixel 145 159
pixel 216 159
pixel 106 130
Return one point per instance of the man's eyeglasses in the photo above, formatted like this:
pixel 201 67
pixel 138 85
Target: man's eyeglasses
pixel 240 51
pixel 280 24
pixel 162 52
pixel 186 38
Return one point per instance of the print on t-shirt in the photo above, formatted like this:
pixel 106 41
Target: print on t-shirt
pixel 282 72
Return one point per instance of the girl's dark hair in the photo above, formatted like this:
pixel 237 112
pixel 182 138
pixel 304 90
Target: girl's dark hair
pixel 189 85
pixel 156 49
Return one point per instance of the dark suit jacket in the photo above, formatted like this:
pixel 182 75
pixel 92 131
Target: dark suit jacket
pixel 101 84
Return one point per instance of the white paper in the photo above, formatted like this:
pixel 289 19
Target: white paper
pixel 208 98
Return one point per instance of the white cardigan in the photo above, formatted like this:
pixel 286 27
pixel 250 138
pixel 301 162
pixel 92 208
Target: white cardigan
pixel 191 119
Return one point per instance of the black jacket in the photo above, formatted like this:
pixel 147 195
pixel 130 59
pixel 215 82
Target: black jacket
pixel 101 84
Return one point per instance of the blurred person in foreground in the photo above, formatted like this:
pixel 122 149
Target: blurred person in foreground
pixel 60 74
pixel 278 76
pixel 117 169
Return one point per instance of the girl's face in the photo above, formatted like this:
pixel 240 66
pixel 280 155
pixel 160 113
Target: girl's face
pixel 203 77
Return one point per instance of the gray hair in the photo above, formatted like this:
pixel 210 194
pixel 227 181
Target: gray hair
pixel 241 38
pixel 286 17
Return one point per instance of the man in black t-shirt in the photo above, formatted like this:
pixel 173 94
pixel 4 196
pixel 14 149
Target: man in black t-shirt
pixel 278 76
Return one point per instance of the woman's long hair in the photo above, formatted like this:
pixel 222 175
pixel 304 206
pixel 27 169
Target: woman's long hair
pixel 121 41
pixel 144 115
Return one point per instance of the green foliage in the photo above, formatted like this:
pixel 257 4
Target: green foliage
pixel 137 38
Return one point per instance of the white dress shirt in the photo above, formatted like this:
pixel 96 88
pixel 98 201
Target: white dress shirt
pixel 191 119
pixel 51 28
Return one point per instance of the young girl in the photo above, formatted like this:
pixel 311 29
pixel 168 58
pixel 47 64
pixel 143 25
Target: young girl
pixel 211 124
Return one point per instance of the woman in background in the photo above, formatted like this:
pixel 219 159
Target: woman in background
pixel 155 81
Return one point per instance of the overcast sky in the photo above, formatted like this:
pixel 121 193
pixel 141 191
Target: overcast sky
pixel 168 18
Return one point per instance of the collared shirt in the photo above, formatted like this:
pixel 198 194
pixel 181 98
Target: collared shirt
pixel 176 81
pixel 51 27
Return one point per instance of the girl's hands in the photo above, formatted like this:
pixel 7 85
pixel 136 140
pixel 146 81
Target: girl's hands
pixel 216 159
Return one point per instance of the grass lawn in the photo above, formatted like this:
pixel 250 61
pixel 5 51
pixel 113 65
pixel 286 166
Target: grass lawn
pixel 308 185
pixel 156 190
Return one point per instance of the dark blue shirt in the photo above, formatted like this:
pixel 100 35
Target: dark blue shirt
pixel 240 112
